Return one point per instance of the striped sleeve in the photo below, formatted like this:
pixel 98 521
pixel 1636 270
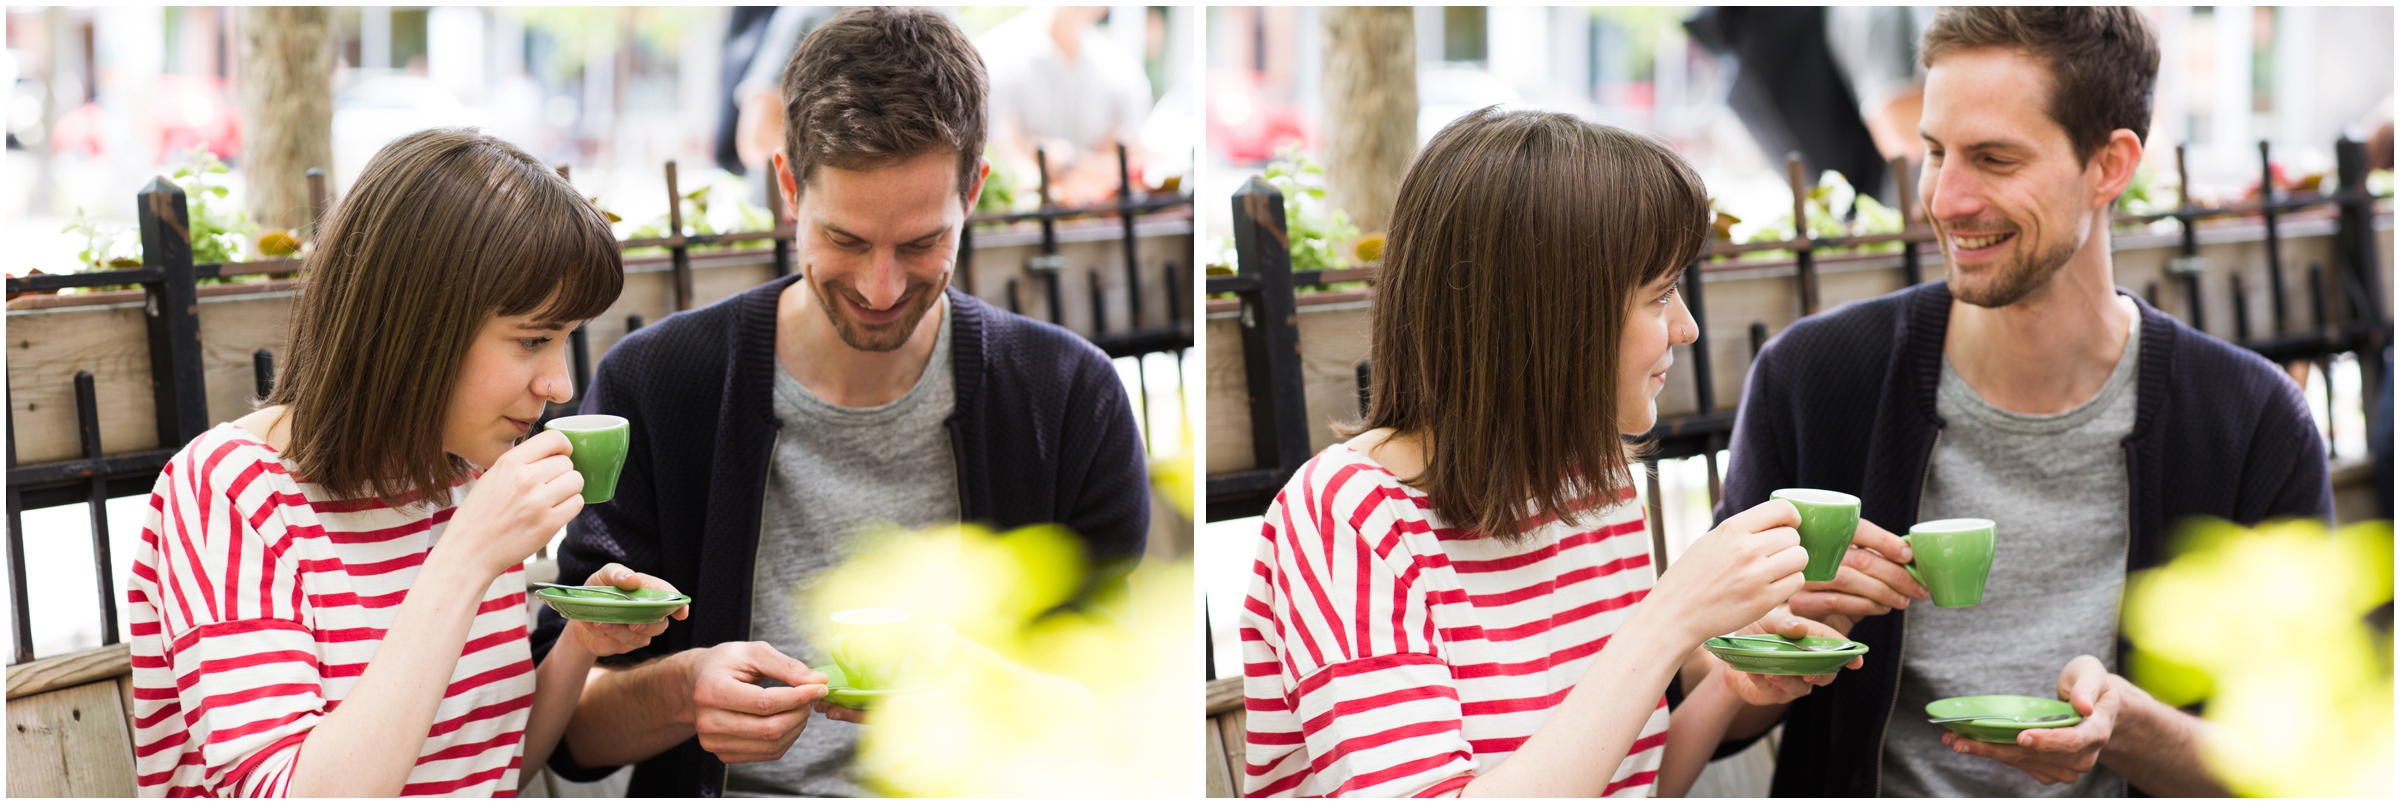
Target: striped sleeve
pixel 1376 704
pixel 240 656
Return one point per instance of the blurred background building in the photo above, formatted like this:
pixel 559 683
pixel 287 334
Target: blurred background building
pixel 104 98
pixel 2230 76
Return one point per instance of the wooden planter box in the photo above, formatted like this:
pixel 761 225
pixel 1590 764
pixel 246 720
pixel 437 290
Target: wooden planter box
pixel 1334 326
pixel 50 339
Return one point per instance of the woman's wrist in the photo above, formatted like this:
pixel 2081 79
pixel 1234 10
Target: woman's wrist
pixel 1655 633
pixel 453 560
pixel 569 648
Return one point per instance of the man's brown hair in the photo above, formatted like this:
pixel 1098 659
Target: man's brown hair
pixel 444 229
pixel 2103 61
pixel 876 85
pixel 1518 240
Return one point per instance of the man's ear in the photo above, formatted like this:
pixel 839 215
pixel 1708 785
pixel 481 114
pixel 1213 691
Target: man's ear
pixel 782 171
pixel 2116 161
pixel 983 171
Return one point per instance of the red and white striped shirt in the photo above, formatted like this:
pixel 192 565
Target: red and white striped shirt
pixel 1386 653
pixel 257 600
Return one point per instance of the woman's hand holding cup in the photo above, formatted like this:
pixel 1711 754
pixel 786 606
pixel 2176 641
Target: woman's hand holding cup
pixel 1735 574
pixel 519 503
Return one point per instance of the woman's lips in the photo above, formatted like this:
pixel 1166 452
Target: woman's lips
pixel 523 426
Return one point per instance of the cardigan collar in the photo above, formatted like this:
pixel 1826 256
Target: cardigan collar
pixel 753 377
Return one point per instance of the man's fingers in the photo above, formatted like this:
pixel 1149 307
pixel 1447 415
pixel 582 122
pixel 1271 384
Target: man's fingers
pixel 765 660
pixel 734 695
pixel 1884 572
pixel 1821 605
pixel 1874 537
pixel 1851 579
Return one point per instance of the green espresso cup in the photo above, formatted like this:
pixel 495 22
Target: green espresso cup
pixel 600 442
pixel 873 646
pixel 1828 520
pixel 1952 558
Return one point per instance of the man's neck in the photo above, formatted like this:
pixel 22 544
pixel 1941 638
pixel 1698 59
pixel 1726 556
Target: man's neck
pixel 813 352
pixel 2052 350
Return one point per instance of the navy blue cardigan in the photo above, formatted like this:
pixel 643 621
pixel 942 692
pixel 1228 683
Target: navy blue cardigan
pixel 1042 433
pixel 1844 400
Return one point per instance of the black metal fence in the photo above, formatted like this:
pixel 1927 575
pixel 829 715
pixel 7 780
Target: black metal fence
pixel 1265 285
pixel 169 283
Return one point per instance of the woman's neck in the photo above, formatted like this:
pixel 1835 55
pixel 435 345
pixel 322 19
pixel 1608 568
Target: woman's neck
pixel 269 424
pixel 1405 455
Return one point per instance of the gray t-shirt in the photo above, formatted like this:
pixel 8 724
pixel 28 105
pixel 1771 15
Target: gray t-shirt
pixel 2056 489
pixel 839 474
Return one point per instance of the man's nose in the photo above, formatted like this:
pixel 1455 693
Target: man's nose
pixel 884 281
pixel 1952 193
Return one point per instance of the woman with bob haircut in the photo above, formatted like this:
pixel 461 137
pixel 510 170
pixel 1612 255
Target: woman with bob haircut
pixel 329 599
pixel 1460 600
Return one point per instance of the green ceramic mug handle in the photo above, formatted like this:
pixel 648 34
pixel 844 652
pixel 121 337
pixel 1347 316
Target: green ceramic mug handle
pixel 1911 566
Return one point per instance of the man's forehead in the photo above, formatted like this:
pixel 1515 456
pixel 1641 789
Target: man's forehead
pixel 907 195
pixel 1988 98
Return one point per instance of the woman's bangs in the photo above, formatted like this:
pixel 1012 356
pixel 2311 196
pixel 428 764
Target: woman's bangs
pixel 568 268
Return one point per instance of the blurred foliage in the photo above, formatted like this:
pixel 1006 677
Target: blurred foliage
pixel 1042 699
pixel 2149 193
pixel 1320 234
pixel 582 33
pixel 697 220
pixel 999 188
pixel 2269 629
pixel 979 19
pixel 1835 209
pixel 221 231
pixel 1368 249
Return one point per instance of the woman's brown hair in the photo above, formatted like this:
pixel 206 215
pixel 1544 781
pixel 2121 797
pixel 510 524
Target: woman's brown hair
pixel 1517 241
pixel 444 229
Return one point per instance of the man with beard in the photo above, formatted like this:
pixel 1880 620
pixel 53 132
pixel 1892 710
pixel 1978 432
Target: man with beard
pixel 2030 390
pixel 772 428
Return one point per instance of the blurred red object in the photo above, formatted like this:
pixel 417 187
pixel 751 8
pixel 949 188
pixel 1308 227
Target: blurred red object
pixel 193 110
pixel 1246 125
pixel 188 110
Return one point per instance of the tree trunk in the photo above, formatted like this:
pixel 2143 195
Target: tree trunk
pixel 1370 108
pixel 287 63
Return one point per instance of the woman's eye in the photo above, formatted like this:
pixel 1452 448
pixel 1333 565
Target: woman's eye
pixel 533 344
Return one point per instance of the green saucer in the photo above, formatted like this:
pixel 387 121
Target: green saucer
pixel 2000 706
pixel 577 604
pixel 1769 659
pixel 840 693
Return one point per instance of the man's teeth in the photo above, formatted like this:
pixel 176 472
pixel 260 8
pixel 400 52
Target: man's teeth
pixel 1972 243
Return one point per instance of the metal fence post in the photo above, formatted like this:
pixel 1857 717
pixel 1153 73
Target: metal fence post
pixel 1271 333
pixel 177 384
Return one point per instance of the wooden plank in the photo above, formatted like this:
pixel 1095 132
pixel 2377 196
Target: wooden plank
pixel 1234 726
pixel 1224 695
pixel 70 742
pixel 1219 773
pixel 59 672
